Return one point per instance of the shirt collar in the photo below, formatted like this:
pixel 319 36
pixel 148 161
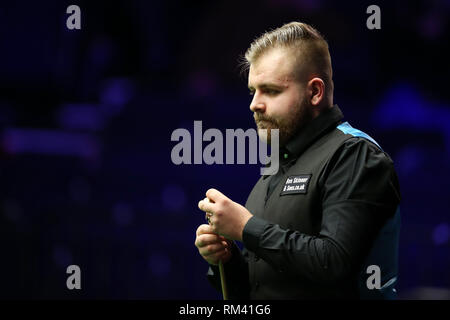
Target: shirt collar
pixel 320 125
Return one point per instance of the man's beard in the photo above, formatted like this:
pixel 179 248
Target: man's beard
pixel 288 127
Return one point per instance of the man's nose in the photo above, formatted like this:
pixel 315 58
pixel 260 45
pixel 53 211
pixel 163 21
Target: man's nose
pixel 257 105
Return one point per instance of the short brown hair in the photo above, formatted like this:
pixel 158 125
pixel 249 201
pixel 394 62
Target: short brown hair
pixel 310 48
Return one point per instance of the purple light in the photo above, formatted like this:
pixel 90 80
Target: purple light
pixel 62 256
pixel 159 264
pixel 101 51
pixel 202 84
pixel 115 94
pixel 51 142
pixel 404 107
pixel 409 158
pixel 441 234
pixel 173 198
pixel 122 214
pixel 432 24
pixel 81 116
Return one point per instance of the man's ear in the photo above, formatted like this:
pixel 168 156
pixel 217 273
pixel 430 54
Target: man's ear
pixel 316 91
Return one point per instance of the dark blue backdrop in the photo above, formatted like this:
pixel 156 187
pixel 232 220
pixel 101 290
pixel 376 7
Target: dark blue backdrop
pixel 86 118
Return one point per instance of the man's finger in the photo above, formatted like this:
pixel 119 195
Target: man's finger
pixel 214 195
pixel 218 256
pixel 206 206
pixel 223 238
pixel 211 249
pixel 222 255
pixel 206 239
pixel 204 229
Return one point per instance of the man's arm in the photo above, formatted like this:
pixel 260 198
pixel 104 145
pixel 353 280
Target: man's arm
pixel 359 192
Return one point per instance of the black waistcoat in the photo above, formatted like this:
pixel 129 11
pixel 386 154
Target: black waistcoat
pixel 300 211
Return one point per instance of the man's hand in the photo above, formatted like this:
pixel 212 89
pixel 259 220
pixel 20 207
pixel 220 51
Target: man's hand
pixel 212 247
pixel 227 218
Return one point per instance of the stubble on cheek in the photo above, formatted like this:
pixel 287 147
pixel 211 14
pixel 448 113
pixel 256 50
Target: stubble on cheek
pixel 287 127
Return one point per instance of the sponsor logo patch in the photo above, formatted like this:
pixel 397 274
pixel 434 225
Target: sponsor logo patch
pixel 296 184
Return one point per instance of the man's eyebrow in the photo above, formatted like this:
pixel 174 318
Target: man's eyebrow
pixel 266 86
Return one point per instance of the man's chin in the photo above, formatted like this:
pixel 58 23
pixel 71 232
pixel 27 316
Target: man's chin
pixel 264 135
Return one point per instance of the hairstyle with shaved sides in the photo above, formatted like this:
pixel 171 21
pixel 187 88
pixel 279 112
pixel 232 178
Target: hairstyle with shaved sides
pixel 309 49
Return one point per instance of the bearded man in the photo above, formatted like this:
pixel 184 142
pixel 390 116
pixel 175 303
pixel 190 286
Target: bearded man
pixel 326 225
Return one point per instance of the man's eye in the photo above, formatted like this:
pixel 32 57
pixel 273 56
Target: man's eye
pixel 251 93
pixel 272 92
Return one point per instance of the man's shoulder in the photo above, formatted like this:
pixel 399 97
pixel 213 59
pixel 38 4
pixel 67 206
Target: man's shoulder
pixel 359 166
pixel 358 152
pixel 355 140
pixel 360 149
pixel 358 135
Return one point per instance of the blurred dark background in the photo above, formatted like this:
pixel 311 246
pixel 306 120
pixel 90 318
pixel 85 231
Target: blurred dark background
pixel 86 118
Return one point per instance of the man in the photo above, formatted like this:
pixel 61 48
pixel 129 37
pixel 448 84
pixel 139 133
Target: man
pixel 326 224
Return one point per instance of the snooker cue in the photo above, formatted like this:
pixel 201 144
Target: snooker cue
pixel 223 281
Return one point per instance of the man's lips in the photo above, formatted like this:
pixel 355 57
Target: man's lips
pixel 264 123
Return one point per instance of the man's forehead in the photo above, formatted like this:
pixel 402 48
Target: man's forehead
pixel 275 66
